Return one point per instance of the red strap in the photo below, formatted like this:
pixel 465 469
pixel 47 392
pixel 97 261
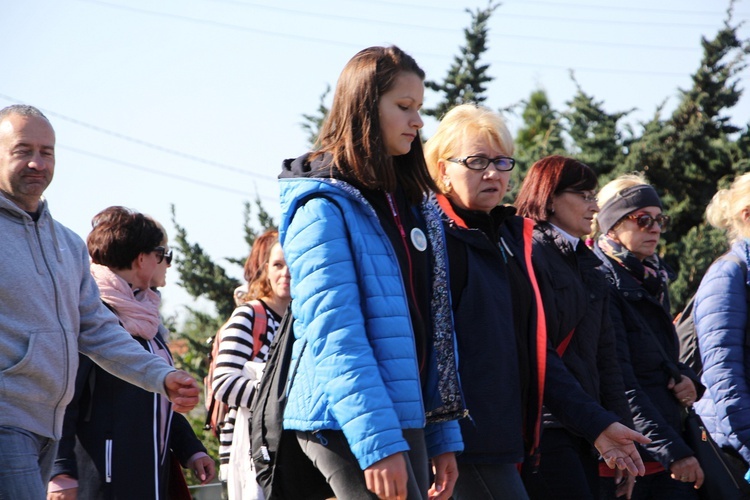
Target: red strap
pixel 260 323
pixel 564 344
pixel 541 330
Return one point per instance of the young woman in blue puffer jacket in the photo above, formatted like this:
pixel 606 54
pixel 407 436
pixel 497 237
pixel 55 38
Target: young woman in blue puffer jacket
pixel 375 394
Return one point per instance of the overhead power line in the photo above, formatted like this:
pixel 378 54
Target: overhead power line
pixel 150 145
pixel 165 174
pixel 409 26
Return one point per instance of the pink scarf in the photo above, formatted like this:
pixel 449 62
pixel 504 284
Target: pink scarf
pixel 139 315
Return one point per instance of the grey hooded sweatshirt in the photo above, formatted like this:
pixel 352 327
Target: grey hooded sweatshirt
pixel 49 311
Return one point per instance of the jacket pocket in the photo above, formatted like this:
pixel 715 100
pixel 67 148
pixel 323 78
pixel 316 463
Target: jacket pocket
pixel 43 371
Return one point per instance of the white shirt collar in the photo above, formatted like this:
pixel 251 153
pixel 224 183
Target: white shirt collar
pixel 572 239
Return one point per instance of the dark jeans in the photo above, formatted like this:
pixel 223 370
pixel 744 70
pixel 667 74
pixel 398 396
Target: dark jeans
pixel 659 486
pixel 489 482
pixel 568 468
pixel 26 461
pixel 329 451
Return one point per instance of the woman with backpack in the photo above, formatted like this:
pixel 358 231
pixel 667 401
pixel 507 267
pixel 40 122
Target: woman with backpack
pixel 243 348
pixel 720 312
pixel 375 393
pixel 630 222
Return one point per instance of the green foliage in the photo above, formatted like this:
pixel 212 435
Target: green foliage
pixel 313 122
pixel 691 153
pixel 467 78
pixel 539 136
pixel 200 276
pixel 597 138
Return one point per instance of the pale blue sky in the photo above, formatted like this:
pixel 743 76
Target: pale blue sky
pixel 196 102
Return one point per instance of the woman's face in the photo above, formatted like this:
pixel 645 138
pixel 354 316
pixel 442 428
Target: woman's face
pixel 479 190
pixel 159 279
pixel 278 273
pixel 398 110
pixel 573 211
pixel 641 242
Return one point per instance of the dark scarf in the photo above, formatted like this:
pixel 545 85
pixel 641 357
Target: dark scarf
pixel 649 272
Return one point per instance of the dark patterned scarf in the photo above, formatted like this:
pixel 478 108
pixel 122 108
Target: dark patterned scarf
pixel 648 272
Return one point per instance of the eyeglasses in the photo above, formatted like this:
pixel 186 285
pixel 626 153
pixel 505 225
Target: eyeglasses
pixel 588 198
pixel 502 163
pixel 162 253
pixel 646 222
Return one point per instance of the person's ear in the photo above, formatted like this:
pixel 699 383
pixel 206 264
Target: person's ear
pixel 746 215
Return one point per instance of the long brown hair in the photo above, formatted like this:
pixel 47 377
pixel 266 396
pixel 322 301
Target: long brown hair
pixel 351 132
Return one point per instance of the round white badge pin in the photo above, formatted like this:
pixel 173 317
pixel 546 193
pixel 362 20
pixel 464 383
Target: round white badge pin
pixel 418 239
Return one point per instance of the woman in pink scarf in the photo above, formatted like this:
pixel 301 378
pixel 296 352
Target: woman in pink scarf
pixel 119 441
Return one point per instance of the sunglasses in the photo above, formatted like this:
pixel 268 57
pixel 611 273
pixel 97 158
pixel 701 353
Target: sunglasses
pixel 162 253
pixel 646 222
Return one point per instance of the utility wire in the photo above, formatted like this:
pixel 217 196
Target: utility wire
pixel 401 25
pixel 164 174
pixel 506 15
pixel 150 145
pixel 597 6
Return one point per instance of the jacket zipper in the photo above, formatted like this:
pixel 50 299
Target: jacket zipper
pixel 57 310
pixel 108 461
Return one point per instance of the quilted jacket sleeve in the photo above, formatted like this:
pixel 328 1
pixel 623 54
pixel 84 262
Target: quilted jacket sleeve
pixel 720 316
pixel 328 315
pixel 666 445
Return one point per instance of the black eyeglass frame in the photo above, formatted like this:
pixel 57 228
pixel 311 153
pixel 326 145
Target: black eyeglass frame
pixel 465 162
pixel 661 219
pixel 163 254
pixel 587 198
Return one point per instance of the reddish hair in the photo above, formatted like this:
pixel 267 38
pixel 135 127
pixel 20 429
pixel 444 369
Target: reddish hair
pixel 256 265
pixel 548 177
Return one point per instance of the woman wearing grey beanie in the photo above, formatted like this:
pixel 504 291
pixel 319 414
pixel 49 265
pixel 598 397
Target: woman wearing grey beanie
pixel 631 221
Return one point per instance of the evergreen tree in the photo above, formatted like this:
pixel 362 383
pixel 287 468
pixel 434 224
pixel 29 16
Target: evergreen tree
pixel 596 137
pixel 539 136
pixel 690 154
pixel 313 122
pixel 467 78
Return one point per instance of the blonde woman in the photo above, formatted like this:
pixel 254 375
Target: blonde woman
pixel 631 221
pixel 506 370
pixel 721 315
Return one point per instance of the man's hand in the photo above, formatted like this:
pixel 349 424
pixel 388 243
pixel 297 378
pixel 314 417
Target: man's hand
pixel 387 477
pixel 69 494
pixel 204 468
pixel 182 391
pixel 616 446
pixel 66 494
pixel 445 469
pixel 687 470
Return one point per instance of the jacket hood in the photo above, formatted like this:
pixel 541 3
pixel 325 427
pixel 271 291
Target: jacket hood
pixel 302 167
pixel 16 213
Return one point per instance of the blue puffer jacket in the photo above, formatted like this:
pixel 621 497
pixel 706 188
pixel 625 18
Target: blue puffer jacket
pixel 356 354
pixel 720 315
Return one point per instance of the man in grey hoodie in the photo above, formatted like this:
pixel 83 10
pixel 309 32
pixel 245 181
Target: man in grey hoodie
pixel 49 311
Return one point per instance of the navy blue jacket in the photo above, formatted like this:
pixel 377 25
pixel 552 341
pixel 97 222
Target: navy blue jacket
pixel 576 299
pixel 640 320
pixel 109 413
pixel 507 367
